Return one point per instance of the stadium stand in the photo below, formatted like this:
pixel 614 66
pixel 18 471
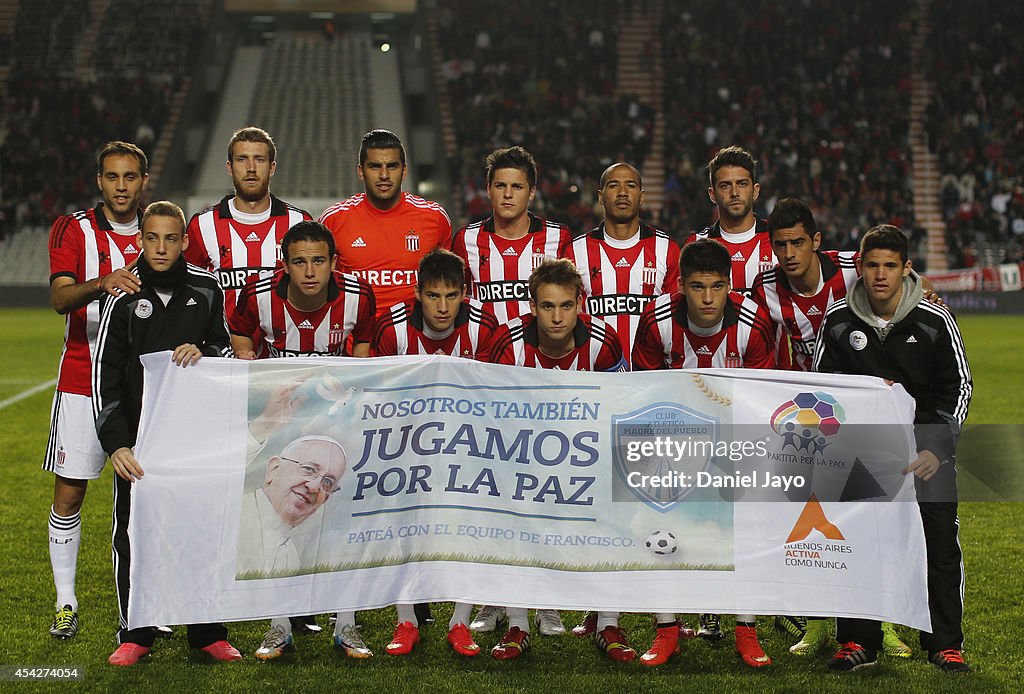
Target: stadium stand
pixel 24 260
pixel 819 92
pixel 975 127
pixel 322 107
pixel 845 105
pixel 54 121
pixel 513 76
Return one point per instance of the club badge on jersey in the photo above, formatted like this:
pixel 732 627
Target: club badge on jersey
pixel 336 333
pixel 649 276
pixel 412 241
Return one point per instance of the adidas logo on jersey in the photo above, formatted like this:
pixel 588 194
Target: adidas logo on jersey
pixel 359 243
pixel 813 311
pixel 252 237
pixel 622 263
pixel 738 256
pixel 911 340
pixel 704 351
pixel 306 325
pixel 190 302
pixel 130 249
pixel 510 251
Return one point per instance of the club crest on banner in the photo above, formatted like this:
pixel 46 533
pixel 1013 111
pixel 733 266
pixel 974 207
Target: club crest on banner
pixel 664 439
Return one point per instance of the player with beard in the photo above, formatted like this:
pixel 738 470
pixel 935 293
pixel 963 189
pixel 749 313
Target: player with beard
pixel 732 175
pixel 241 235
pixel 733 188
pixel 380 235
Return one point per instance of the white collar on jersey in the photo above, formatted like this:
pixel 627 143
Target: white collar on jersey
pixel 740 236
pixel 704 332
pixel 623 244
pixel 129 229
pixel 246 217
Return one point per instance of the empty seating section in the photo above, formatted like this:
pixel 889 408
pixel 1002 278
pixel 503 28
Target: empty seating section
pixel 315 99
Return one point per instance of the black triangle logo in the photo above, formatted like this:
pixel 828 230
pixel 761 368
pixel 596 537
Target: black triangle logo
pixel 860 484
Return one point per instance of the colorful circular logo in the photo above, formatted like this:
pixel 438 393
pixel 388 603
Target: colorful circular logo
pixel 807 421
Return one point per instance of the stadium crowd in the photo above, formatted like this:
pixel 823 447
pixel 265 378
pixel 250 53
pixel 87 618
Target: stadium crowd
pixel 976 124
pixel 548 85
pixel 52 119
pixel 836 128
pixel 826 107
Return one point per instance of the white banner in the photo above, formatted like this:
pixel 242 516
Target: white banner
pixel 304 486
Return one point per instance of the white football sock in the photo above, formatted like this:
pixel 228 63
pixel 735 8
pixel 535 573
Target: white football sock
pixel 65 538
pixel 283 622
pixel 461 615
pixel 518 617
pixel 407 613
pixel 344 619
pixel 607 619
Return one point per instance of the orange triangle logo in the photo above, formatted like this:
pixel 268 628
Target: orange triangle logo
pixel 813 518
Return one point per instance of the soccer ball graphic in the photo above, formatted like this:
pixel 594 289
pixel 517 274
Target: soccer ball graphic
pixel 807 421
pixel 662 542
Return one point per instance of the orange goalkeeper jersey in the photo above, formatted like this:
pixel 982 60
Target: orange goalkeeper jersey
pixel 384 247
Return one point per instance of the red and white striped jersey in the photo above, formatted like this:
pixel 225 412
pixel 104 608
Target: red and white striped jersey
pixel 801 316
pixel 618 283
pixel 664 340
pixel 498 269
pixel 232 250
pixel 597 346
pixel 279 329
pixel 83 246
pixel 750 256
pixel 384 247
pixel 402 331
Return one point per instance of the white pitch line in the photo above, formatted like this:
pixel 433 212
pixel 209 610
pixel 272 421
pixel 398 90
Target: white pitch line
pixel 28 393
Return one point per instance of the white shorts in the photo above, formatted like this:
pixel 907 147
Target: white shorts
pixel 74 450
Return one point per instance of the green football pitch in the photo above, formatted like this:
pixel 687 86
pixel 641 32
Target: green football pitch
pixel 991 536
